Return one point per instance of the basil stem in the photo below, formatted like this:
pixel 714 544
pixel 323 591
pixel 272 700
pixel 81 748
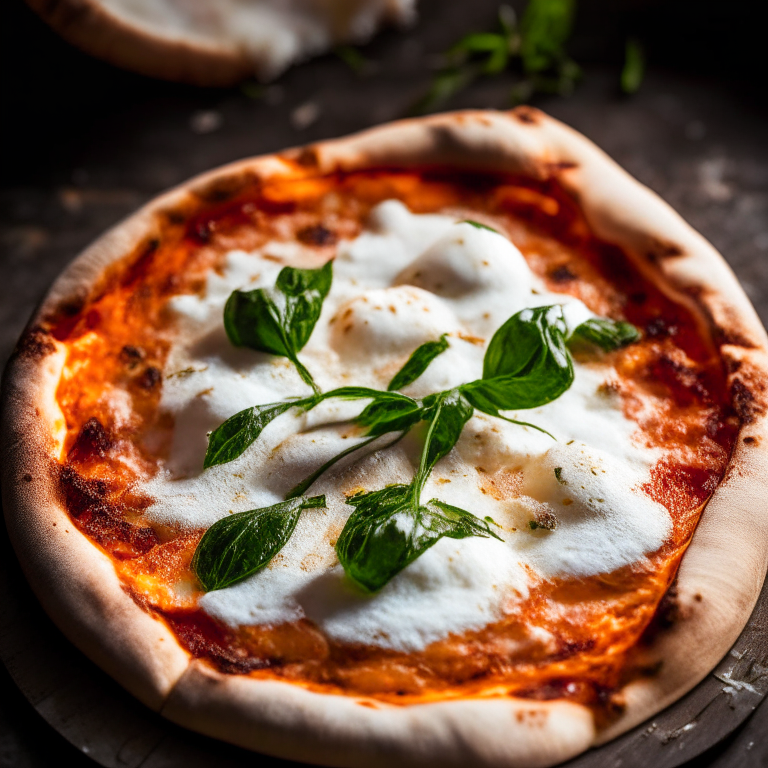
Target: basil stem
pixel 307 482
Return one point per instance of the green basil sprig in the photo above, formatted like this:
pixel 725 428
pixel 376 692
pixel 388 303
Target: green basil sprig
pixel 280 320
pixel 527 364
pixel 386 413
pixel 388 530
pixel 241 544
pixel 606 334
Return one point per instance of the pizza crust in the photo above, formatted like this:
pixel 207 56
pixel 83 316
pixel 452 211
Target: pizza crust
pixel 289 721
pixel 717 585
pixel 158 48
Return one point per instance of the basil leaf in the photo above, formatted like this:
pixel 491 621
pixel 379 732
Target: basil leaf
pixel 280 320
pixel 387 531
pixel 418 362
pixel 478 225
pixel 526 365
pixel 230 439
pixel 544 29
pixel 604 333
pixel 448 413
pixel 386 415
pixel 241 544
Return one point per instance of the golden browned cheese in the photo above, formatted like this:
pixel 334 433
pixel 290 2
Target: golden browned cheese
pixel 122 334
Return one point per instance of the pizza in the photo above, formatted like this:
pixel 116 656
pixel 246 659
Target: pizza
pixel 216 44
pixel 442 443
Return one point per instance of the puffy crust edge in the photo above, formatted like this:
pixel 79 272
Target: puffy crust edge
pixel 88 25
pixel 717 585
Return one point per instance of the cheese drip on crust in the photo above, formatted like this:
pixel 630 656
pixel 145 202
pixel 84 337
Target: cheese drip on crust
pixel 407 279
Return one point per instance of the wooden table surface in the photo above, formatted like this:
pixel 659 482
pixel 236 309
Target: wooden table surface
pixel 86 144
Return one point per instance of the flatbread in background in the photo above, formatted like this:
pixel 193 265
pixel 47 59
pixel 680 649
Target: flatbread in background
pixel 217 42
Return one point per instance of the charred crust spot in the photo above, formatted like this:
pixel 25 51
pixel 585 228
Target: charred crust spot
pixel 562 274
pixel 226 187
pixel 733 337
pixel 662 250
pixel 92 441
pixel 526 115
pixel 751 441
pixel 102 520
pixel 562 165
pixel 131 356
pixel 27 478
pixel 202 231
pixel 668 612
pixel 639 297
pixel 71 307
pixel 744 402
pixel 308 157
pixel 175 218
pixel 572 647
pixel 150 378
pixel 35 344
pixel 318 235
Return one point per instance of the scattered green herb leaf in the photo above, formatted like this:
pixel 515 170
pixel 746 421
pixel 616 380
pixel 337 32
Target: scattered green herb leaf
pixel 241 544
pixel 534 49
pixel 544 29
pixel 634 67
pixel 384 415
pixel 353 58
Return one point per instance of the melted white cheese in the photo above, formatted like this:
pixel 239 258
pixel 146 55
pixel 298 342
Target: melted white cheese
pixel 274 33
pixel 406 280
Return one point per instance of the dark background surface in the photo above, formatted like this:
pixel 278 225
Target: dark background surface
pixel 85 144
